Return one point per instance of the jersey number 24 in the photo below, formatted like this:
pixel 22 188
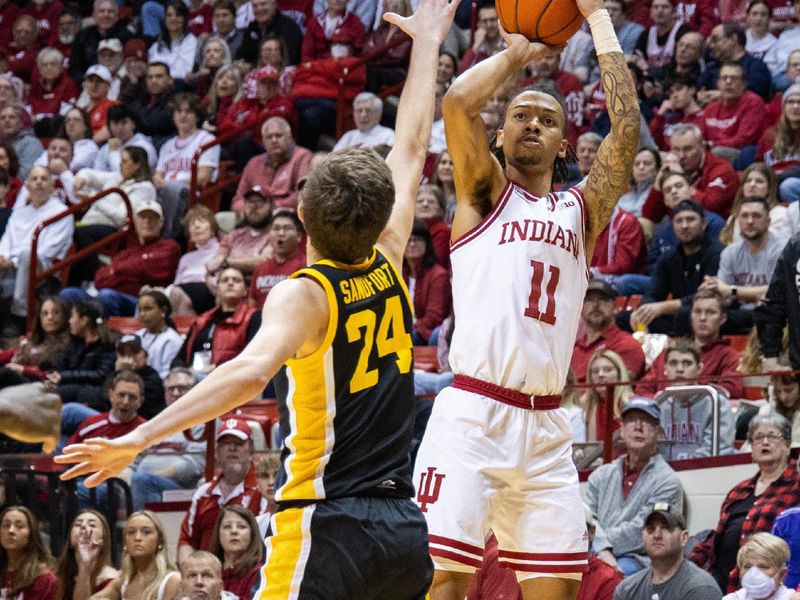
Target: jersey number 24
pixel 392 338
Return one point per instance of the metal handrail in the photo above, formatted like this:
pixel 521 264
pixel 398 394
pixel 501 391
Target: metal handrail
pixel 714 393
pixel 34 277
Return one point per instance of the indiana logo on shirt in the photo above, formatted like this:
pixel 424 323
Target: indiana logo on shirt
pixel 430 484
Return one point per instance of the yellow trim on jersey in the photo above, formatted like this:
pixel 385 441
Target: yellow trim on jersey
pixel 287 554
pixel 311 402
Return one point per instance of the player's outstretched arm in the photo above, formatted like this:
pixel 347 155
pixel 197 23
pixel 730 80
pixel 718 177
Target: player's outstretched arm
pixel 611 172
pixel 289 327
pixel 478 176
pixel 428 26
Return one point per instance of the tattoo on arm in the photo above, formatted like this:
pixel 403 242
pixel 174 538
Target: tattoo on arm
pixel 610 174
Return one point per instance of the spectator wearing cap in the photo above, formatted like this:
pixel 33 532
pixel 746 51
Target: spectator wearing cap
pixel 268 20
pixel 122 127
pixel 753 504
pixel 152 109
pixel 669 575
pixel 51 94
pixel 220 334
pixel 601 579
pixel 131 356
pixel 152 261
pixel 110 55
pixel 278 171
pixel 175 463
pixel 134 65
pixel 12 132
pixel 367 111
pixel 727 42
pixel 678 273
pixel 107 24
pixel 176 46
pixel 286 233
pixel 174 167
pixel 620 494
pixel 40 204
pixel 331 28
pixel 235 484
pixel 718 361
pixel 268 103
pixel 601 333
pixel 734 121
pixel 96 84
pixel 246 246
pixel 713 178
pixel 21 52
pixel 109 213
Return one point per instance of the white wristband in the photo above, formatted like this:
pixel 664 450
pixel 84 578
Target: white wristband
pixel 603 34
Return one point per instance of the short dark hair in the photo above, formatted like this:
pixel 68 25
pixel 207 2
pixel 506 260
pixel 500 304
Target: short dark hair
pixel 347 201
pixel 683 79
pixel 684 346
pixel 756 2
pixel 288 214
pixel 732 64
pixel 161 64
pixel 225 5
pixel 128 377
pixel 731 29
pixel 690 205
pixel 120 112
pixel 756 200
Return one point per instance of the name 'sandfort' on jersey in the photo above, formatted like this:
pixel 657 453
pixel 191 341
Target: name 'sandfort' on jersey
pixel 363 286
pixel 533 230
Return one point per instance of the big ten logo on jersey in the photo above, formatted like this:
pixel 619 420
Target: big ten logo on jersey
pixel 430 486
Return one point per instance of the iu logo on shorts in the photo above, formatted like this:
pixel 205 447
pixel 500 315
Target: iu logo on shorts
pixel 428 480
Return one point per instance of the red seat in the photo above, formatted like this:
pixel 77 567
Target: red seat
pixel 634 301
pixel 621 303
pixel 124 324
pixel 263 411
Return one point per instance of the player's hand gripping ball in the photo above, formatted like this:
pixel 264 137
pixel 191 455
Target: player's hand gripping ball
pixel 550 22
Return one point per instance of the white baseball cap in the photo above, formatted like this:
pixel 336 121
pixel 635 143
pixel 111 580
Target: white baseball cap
pixel 152 206
pixel 99 71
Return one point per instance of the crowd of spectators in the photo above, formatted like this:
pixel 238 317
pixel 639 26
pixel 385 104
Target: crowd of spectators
pixel 702 251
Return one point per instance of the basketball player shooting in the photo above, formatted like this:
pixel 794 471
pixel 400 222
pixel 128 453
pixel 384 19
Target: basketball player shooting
pixel 347 526
pixel 496 455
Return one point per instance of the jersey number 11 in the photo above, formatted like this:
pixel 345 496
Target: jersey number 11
pixel 549 314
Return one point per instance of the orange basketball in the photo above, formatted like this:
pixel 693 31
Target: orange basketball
pixel 551 22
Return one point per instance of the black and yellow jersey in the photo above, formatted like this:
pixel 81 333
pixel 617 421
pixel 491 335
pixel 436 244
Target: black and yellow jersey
pixel 351 403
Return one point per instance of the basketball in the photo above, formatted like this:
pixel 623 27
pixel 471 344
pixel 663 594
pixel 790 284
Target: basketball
pixel 550 22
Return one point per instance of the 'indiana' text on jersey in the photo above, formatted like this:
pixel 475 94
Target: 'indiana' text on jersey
pixel 351 403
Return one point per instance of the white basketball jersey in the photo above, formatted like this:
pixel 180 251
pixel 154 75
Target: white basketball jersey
pixel 519 279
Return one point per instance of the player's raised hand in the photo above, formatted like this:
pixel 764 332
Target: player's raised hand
pixel 526 50
pixel 104 458
pixel 432 17
pixel 587 7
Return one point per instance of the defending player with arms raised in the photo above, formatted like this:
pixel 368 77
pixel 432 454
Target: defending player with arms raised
pixel 346 527
pixel 497 451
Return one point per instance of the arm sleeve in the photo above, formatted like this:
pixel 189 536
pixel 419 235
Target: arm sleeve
pixel 725 272
pixel 770 315
pixel 718 198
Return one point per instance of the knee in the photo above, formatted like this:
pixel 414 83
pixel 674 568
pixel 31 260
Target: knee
pixel 789 189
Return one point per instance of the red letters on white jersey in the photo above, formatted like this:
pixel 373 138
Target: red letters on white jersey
pixel 519 279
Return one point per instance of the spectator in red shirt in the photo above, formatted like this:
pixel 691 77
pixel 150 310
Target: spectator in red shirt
pixel 430 208
pixel 24 558
pixel 97 83
pixel 153 261
pixel 45 12
pixel 680 107
pixel 601 333
pixel 717 358
pixel 285 233
pixel 238 544
pixel 620 248
pixel 200 18
pixel 734 122
pixel 390 68
pixel 226 89
pixel 714 179
pixel 571 87
pixel 429 285
pixel 278 171
pixel 52 91
pixel 657 43
pixel 23 47
pixel 234 484
pixel 329 31
pixel 9 12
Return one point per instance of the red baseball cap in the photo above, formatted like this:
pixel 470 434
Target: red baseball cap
pixel 135 48
pixel 236 427
pixel 267 73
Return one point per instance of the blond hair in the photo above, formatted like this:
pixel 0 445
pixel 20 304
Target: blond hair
pixel 764 545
